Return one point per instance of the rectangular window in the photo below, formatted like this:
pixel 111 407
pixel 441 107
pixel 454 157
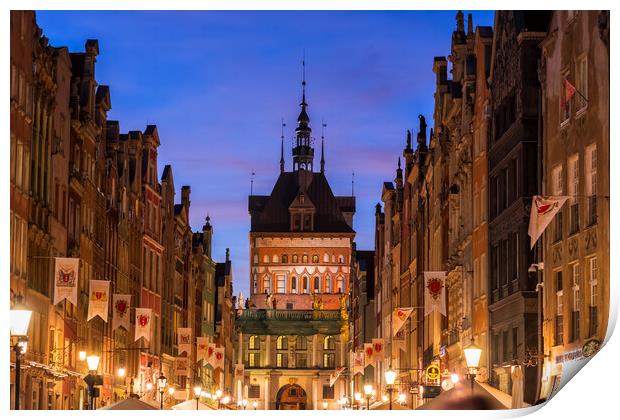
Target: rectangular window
pixel 573 192
pixel 281 284
pixel 581 84
pixel 515 342
pixel 558 226
pixel 591 170
pixel 254 391
pixel 505 347
pixel 329 360
pixel 328 392
pixel 281 360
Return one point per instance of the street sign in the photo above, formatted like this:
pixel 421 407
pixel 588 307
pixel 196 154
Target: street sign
pixel 414 390
pixel 432 373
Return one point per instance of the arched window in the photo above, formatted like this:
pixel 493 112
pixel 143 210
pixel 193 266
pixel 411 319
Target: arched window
pixel 304 259
pixel 340 259
pixel 329 343
pixel 275 258
pixel 302 342
pixel 340 285
pixel 304 286
pixel 333 258
pixel 301 352
pixel 284 259
pixel 266 258
pixel 317 285
pixel 315 258
pixel 328 284
pixel 267 283
pixel 282 343
pixel 255 283
pixel 253 353
pixel 295 258
pixel 254 343
pixel 294 285
pixel 329 354
pixel 325 257
pixel 282 356
pixel 255 258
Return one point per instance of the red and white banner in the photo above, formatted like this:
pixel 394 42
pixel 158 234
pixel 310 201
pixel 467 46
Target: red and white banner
pixel 542 213
pixel 185 341
pixel 143 323
pixel 239 371
pixel 357 363
pixel 398 343
pixel 98 299
pixel 378 347
pixel 181 366
pixel 369 354
pixel 218 358
pixel 434 292
pixel 201 348
pixel 120 311
pixel 333 377
pixel 399 317
pixel 66 279
pixel 210 359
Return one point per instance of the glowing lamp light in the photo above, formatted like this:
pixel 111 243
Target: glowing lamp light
pixel 358 396
pixel 367 389
pixel 82 355
pixel 455 378
pixel 121 372
pixel 384 398
pixel 218 394
pixel 20 318
pixel 161 381
pixel 92 362
pixel 324 405
pixel 255 404
pixel 472 356
pixel 226 400
pixel 23 345
pixel 390 377
pixel 402 398
pixel 149 386
pixel 244 402
pixel 197 390
pixel 171 390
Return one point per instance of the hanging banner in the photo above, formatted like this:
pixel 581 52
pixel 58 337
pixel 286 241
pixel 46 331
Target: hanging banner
pixel 185 340
pixel 369 355
pixel 542 213
pixel 201 348
pixel 333 377
pixel 434 292
pixel 218 358
pixel 120 311
pixel 398 343
pixel 378 348
pixel 182 366
pixel 210 355
pixel 66 279
pixel 98 299
pixel 358 363
pixel 143 323
pixel 239 371
pixel 399 317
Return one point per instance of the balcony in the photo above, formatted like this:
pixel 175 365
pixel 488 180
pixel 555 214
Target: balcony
pixel 293 322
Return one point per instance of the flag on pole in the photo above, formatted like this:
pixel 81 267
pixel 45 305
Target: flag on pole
pixel 369 355
pixel 378 349
pixel 333 377
pixel 569 90
pixel 120 311
pixel 542 213
pixel 66 279
pixel 98 298
pixel 201 348
pixel 185 340
pixel 399 317
pixel 143 323
pixel 434 292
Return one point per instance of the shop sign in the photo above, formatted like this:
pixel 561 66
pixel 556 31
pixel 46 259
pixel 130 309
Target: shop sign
pixel 433 373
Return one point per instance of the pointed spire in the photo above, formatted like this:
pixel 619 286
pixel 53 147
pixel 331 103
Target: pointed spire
pixel 470 24
pixel 323 147
pixel 282 147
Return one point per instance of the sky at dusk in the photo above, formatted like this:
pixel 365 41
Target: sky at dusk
pixel 217 85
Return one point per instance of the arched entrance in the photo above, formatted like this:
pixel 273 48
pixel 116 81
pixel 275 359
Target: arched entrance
pixel 291 397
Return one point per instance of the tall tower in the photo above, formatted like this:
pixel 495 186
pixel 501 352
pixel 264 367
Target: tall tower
pixel 303 152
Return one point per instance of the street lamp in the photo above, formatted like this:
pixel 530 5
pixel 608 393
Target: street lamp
pixel 218 396
pixel 254 404
pixel 368 393
pixel 197 390
pixel 244 403
pixel 82 355
pixel 92 378
pixel 472 357
pixel 358 399
pixel 402 398
pixel 390 378
pixel 161 382
pixel 324 405
pixel 121 372
pixel 20 321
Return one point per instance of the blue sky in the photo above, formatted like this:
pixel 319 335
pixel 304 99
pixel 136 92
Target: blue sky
pixel 218 83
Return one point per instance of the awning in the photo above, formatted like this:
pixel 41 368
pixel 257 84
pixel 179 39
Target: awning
pixel 461 398
pixel 191 405
pixel 130 404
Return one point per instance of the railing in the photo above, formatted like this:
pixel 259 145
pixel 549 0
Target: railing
pixel 288 315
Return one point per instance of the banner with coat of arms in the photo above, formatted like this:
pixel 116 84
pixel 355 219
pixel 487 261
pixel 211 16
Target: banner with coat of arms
pixel 399 317
pixel 398 343
pixel 181 366
pixel 201 348
pixel 66 279
pixel 185 340
pixel 357 362
pixel 369 355
pixel 98 299
pixel 542 213
pixel 435 292
pixel 120 311
pixel 218 358
pixel 239 371
pixel 378 348
pixel 143 323
pixel 210 355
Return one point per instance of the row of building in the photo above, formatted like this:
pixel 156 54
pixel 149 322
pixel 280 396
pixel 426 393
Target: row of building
pixel 81 188
pixel 521 109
